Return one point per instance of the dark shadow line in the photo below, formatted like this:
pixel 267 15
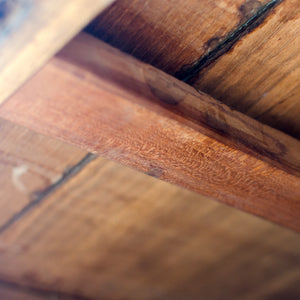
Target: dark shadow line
pixel 41 196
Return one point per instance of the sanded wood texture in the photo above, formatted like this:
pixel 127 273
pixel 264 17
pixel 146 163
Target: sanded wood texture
pixel 110 103
pixel 113 233
pixel 32 31
pixel 247 52
pixel 29 164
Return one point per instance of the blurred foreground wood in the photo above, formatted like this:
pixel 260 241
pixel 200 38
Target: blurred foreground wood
pixel 32 31
pixel 109 103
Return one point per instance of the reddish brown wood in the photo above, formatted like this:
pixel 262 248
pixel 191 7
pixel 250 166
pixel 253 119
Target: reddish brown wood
pixel 30 163
pixel 109 103
pixel 114 233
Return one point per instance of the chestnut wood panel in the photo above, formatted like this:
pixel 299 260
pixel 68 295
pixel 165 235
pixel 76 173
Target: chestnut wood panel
pixel 260 76
pixel 32 31
pixel 110 103
pixel 29 164
pixel 170 34
pixel 113 233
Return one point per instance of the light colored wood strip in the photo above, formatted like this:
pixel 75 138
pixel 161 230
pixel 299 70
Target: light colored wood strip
pixel 32 31
pixel 109 103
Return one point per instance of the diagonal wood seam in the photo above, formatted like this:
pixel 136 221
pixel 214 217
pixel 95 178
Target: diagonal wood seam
pixel 188 73
pixel 42 195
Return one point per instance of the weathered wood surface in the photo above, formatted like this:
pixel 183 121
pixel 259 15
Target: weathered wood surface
pixel 29 164
pixel 32 31
pixel 109 103
pixel 170 34
pixel 113 233
pixel 258 76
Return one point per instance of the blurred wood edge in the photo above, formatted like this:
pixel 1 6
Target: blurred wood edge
pixel 31 32
pixel 100 99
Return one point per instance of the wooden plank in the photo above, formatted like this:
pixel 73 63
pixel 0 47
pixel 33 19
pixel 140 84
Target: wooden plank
pixel 113 233
pixel 260 76
pixel 109 103
pixel 29 164
pixel 32 31
pixel 170 34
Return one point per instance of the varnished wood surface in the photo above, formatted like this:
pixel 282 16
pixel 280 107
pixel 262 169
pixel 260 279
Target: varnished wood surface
pixel 113 233
pixel 259 74
pixel 32 31
pixel 29 164
pixel 109 103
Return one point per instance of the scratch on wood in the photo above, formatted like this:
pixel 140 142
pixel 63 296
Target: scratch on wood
pixel 17 173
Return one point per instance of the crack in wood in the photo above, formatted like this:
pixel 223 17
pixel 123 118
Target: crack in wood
pixel 40 196
pixel 187 73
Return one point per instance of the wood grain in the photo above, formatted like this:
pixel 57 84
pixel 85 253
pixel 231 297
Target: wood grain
pixel 170 34
pixel 32 31
pixel 109 103
pixel 29 163
pixel 260 76
pixel 114 233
